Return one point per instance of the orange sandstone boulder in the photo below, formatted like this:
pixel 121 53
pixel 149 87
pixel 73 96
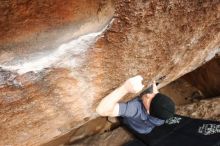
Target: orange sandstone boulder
pixel 59 58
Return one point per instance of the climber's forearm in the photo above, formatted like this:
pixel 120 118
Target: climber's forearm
pixel 109 104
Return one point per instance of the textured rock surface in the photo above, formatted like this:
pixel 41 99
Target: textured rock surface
pixel 93 127
pixel 51 80
pixel 117 137
pixel 204 82
pixel 204 109
pixel 181 91
pixel 206 78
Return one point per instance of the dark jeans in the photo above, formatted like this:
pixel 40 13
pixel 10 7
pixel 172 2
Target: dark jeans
pixel 180 131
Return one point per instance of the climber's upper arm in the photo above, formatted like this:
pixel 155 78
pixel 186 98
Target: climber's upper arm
pixel 124 109
pixel 111 112
pixel 115 111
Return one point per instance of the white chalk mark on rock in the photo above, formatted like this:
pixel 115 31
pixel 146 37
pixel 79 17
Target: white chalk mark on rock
pixel 58 57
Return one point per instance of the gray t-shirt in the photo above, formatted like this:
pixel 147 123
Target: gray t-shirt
pixel 136 117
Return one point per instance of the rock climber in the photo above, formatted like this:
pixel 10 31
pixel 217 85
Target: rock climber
pixel 142 113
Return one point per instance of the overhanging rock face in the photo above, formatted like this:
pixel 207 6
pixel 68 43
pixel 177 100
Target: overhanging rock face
pixel 59 58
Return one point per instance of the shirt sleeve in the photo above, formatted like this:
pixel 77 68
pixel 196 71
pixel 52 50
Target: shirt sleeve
pixel 129 109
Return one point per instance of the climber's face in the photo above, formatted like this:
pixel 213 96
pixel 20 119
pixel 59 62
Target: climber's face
pixel 147 98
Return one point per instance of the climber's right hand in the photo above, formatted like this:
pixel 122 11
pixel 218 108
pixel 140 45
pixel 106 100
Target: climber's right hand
pixel 134 84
